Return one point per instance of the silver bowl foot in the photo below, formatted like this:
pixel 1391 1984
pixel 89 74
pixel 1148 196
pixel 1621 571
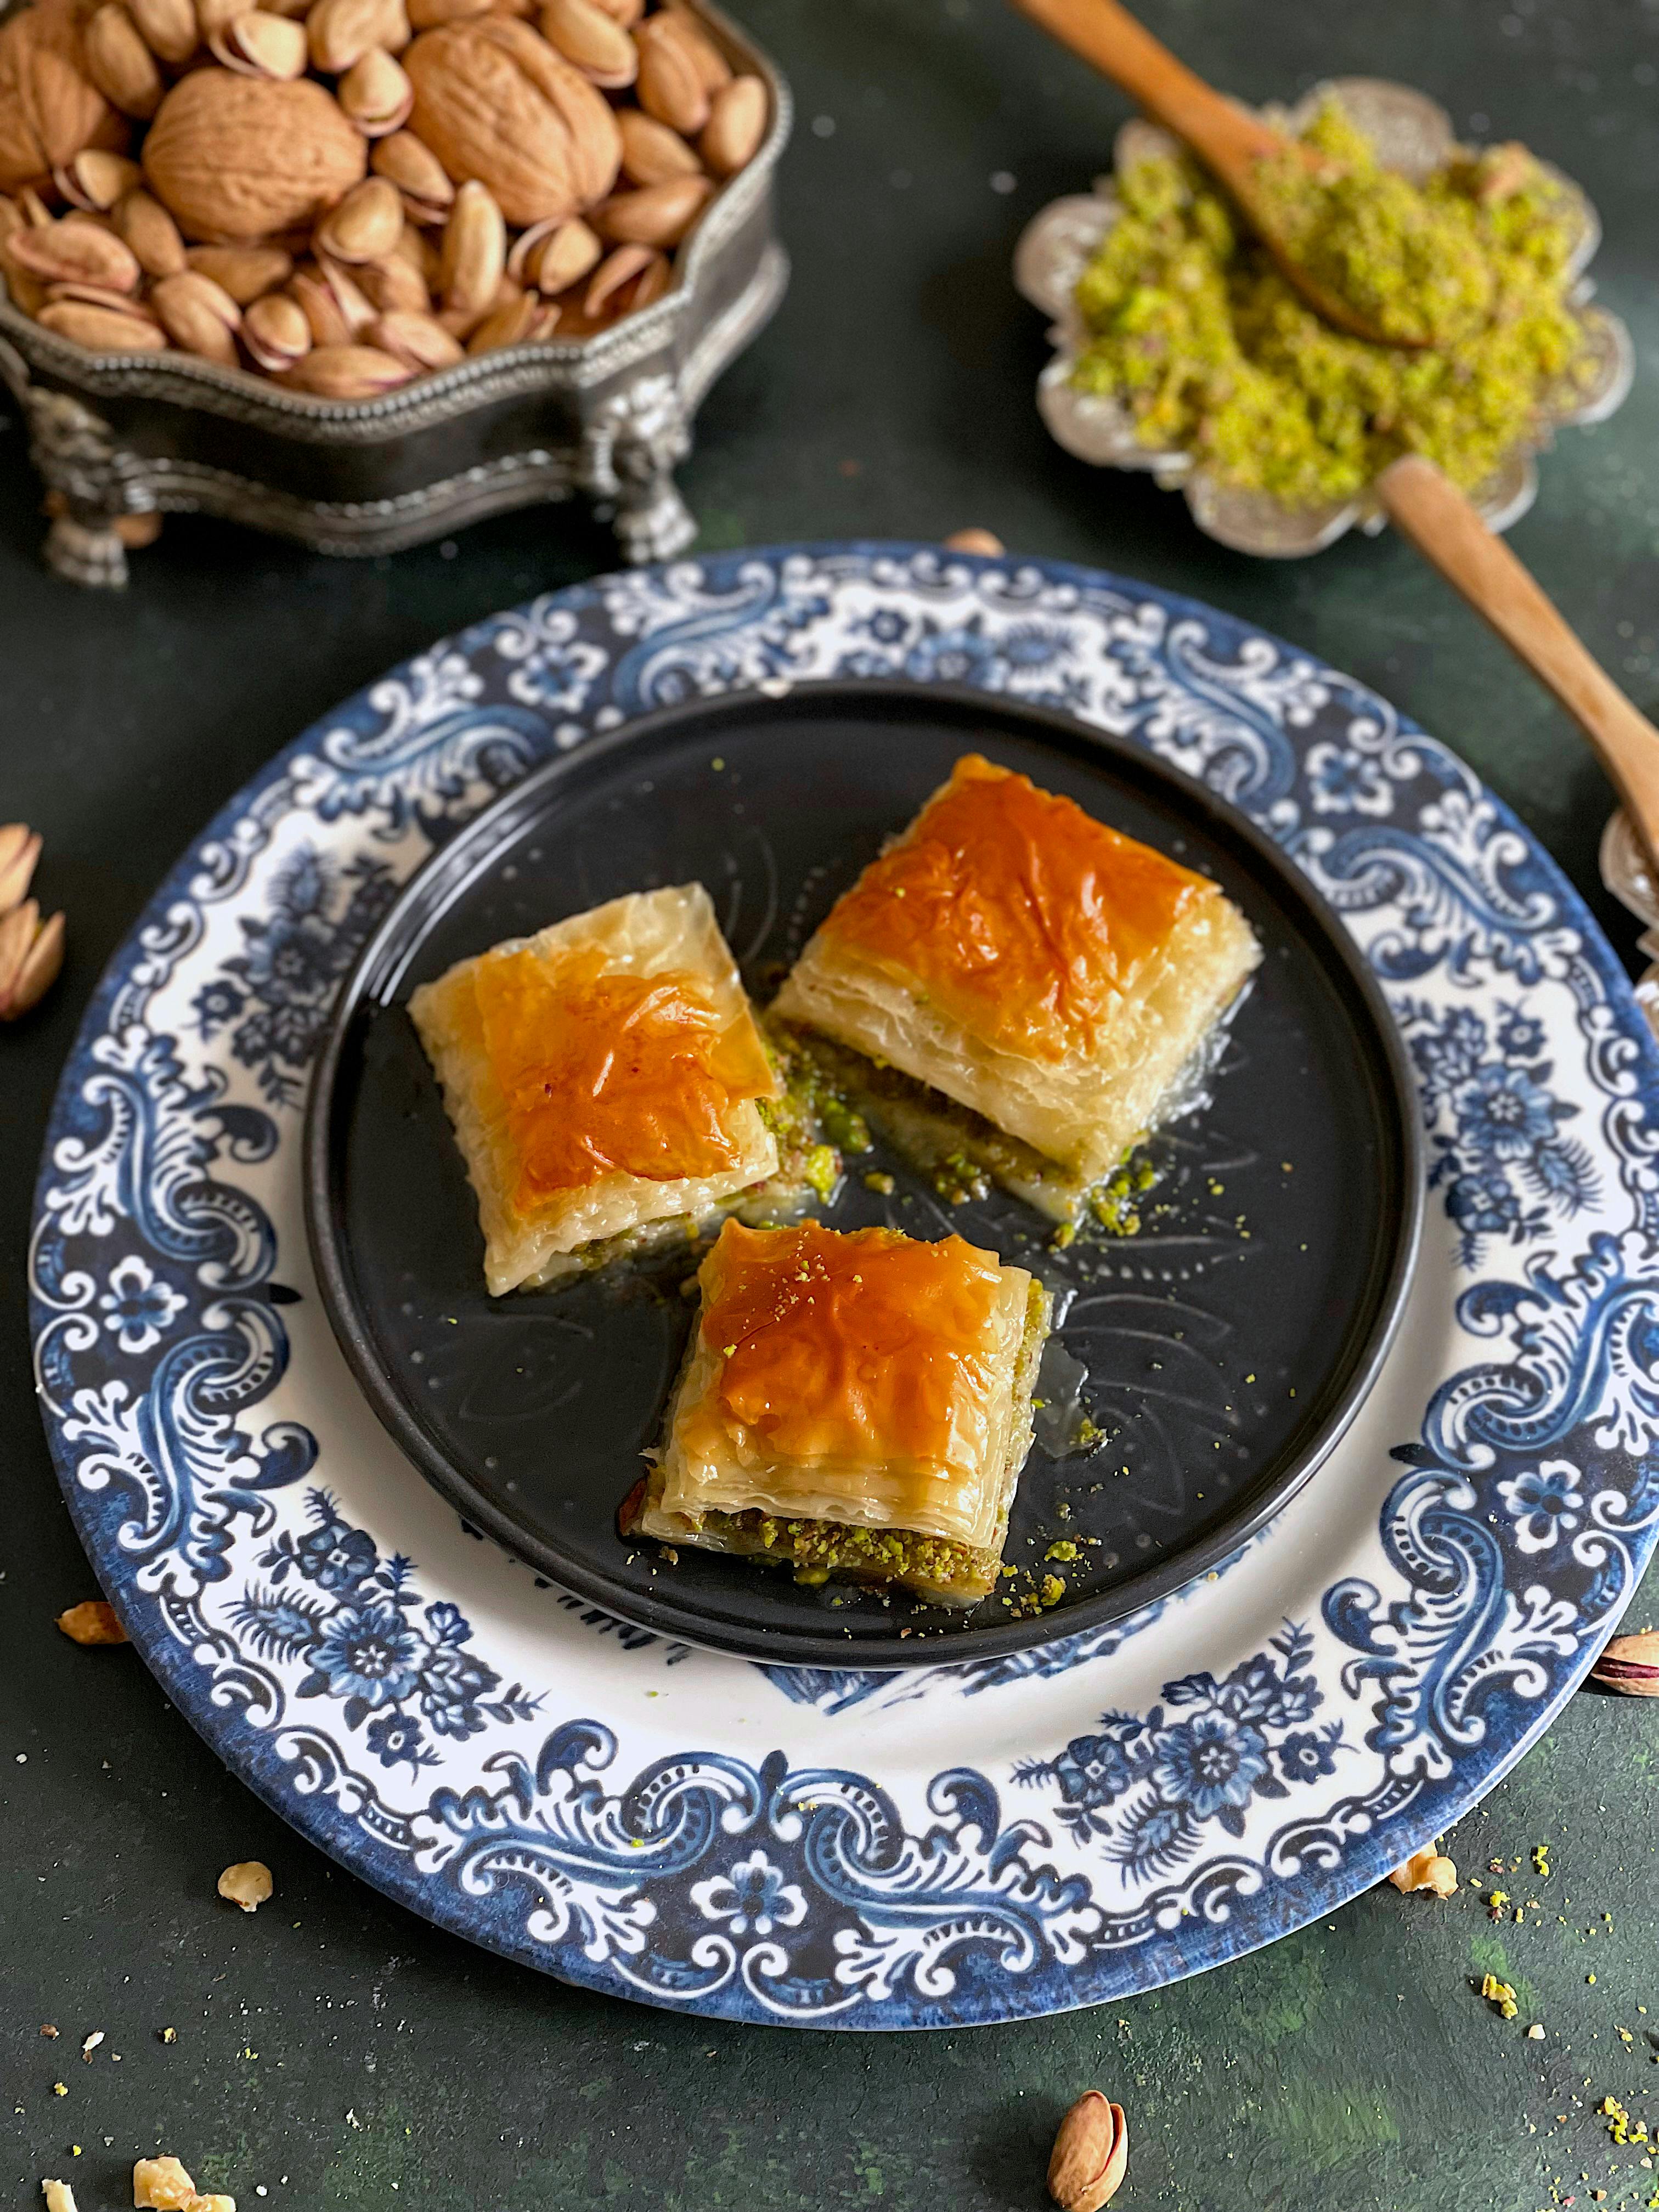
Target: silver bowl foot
pixel 86 553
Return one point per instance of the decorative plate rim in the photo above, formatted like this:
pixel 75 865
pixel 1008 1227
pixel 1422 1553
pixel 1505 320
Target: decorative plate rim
pixel 928 1903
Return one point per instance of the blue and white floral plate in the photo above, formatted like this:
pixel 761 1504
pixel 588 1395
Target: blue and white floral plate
pixel 831 1848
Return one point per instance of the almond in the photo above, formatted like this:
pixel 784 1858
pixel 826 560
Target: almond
pixel 151 233
pixel 475 252
pixel 238 157
pixel 366 225
pixel 586 35
pixel 376 93
pixel 669 85
pixel 419 339
pixel 31 955
pixel 737 124
pixel 120 64
pixel 494 102
pixel 625 12
pixel 651 153
pixel 102 329
pixel 275 332
pixel 678 24
pixel 259 44
pixel 418 174
pixel 348 372
pixel 168 27
pixel 247 272
pixel 432 14
pixel 510 322
pixel 656 215
pixel 198 315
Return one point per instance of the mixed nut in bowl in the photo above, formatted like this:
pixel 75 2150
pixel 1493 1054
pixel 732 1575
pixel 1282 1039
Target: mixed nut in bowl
pixel 1181 349
pixel 359 271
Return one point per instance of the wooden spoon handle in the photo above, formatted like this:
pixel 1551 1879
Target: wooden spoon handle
pixel 1448 534
pixel 1108 38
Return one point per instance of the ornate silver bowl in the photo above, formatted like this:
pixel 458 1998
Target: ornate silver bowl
pixel 607 417
pixel 1412 135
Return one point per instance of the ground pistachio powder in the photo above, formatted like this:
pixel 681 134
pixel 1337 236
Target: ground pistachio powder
pixel 1195 332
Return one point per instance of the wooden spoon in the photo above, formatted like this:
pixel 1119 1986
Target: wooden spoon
pixel 1424 508
pixel 1227 138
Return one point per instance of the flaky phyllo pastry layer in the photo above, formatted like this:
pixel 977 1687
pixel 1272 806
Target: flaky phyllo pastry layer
pixel 854 1405
pixel 1044 971
pixel 605 1078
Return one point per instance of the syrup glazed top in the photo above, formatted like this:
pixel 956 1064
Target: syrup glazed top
pixel 605 1072
pixel 1023 917
pixel 870 1347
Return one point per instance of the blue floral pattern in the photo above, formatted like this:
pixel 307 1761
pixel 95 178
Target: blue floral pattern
pixel 1150 1784
pixel 364 1640
pixel 1152 1825
pixel 1505 1167
pixel 138 1308
pixel 275 995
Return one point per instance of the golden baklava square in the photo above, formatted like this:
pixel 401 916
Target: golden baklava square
pixel 855 1405
pixel 606 1081
pixel 1050 975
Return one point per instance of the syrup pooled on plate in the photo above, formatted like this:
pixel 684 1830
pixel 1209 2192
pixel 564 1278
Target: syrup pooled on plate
pixel 1021 915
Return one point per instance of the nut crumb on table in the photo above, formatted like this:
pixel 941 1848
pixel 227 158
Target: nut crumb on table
pixel 248 1883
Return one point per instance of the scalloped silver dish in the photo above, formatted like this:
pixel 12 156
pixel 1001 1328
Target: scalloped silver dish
pixel 607 418
pixel 1413 134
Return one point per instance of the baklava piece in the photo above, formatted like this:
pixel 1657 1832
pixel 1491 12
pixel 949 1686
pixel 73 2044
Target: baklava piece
pixel 610 1090
pixel 851 1406
pixel 1015 988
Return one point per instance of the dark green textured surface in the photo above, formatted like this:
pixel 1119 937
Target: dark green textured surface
pixel 1351 2066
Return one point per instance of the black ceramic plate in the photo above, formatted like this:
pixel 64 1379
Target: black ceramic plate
pixel 1227 1344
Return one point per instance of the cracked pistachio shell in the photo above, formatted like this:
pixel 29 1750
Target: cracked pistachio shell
pixel 275 332
pixel 376 93
pixel 1090 2154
